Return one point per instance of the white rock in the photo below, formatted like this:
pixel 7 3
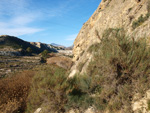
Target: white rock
pixel 38 110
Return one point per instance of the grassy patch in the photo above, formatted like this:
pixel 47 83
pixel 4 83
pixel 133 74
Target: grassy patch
pixel 140 20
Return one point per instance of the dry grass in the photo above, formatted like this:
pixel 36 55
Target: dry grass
pixel 14 91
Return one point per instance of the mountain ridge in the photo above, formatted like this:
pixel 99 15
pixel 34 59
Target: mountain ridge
pixel 13 43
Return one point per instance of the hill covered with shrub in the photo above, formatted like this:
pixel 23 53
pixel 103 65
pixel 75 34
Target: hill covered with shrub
pixel 21 45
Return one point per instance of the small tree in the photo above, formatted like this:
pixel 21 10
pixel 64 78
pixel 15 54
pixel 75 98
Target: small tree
pixel 44 55
pixel 29 50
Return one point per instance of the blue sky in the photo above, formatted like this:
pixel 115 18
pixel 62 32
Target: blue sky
pixel 47 21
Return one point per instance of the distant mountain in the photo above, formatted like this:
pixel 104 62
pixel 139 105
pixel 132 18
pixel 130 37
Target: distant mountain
pixel 70 47
pixel 57 45
pixel 62 47
pixel 7 41
pixel 44 46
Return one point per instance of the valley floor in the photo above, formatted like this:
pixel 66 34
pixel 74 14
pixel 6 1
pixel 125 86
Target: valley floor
pixel 12 64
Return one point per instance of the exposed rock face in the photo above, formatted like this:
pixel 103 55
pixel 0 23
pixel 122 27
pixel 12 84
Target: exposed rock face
pixel 141 104
pixel 37 44
pixel 38 110
pixel 44 46
pixel 111 14
pixel 66 52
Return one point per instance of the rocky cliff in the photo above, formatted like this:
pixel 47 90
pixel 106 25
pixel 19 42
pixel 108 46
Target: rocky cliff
pixel 44 46
pixel 132 15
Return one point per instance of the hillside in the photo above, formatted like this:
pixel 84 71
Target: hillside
pixel 16 43
pixel 57 45
pixel 11 43
pixel 132 16
pixel 103 49
pixel 110 72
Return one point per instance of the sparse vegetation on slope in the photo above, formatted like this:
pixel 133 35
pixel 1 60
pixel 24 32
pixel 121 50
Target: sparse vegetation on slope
pixel 16 43
pixel 122 64
pixel 48 90
pixel 140 21
pixel 119 69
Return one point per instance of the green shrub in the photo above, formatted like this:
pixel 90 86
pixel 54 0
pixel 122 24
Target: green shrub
pixel 83 92
pixel 44 56
pixel 52 91
pixel 48 89
pixel 29 51
pixel 118 70
pixel 122 66
pixel 140 20
pixel 148 103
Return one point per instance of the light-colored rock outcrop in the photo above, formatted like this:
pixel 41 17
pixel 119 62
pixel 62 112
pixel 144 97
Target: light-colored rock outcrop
pixel 38 110
pixel 89 110
pixel 66 52
pixel 113 14
pixel 141 104
pixel 110 14
pixel 44 46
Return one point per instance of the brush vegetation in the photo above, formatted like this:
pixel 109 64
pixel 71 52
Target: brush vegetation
pixel 122 66
pixel 119 69
pixel 14 91
pixel 142 18
pixel 48 90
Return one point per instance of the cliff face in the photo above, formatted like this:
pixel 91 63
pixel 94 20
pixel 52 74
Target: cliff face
pixel 44 46
pixel 112 14
pixel 131 15
pixel 125 14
